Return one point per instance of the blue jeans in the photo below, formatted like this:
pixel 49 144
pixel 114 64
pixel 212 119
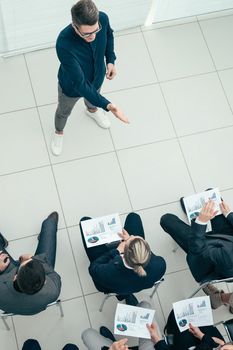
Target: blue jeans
pixel 32 344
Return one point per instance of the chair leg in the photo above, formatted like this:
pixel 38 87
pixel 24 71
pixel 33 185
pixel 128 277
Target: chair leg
pixel 5 323
pixel 198 289
pixel 103 302
pixel 175 247
pixel 154 290
pixel 60 307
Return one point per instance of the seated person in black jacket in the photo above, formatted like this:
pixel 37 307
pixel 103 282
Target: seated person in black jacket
pixel 127 269
pixel 209 255
pixel 203 338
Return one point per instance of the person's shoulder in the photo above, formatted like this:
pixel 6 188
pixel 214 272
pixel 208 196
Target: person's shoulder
pixel 156 259
pixel 65 35
pixel 103 17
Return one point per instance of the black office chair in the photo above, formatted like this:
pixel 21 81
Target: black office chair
pixel 228 325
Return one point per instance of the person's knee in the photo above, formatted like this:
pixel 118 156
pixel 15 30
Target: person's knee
pixel 84 218
pixel 70 347
pixel 88 335
pixel 31 344
pixel 133 216
pixel 144 304
pixel 166 220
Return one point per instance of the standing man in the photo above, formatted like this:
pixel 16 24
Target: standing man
pixel 28 285
pixel 82 49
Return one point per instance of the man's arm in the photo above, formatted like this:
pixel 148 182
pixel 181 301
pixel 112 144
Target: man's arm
pixel 109 52
pixel 77 78
pixel 100 268
pixel 197 240
pixel 227 212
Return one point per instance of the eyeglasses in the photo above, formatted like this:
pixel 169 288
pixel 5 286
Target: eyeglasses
pixel 87 35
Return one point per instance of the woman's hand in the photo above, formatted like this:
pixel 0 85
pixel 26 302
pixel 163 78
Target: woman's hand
pixel 124 235
pixel 196 331
pixel 154 334
pixel 119 345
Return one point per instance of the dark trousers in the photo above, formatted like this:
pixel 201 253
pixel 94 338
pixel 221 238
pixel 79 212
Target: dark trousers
pixel 47 243
pixel 181 232
pixel 64 108
pixel 133 225
pixel 32 344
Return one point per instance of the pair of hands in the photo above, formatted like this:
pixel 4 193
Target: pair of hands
pixel 199 334
pixel 196 332
pixel 124 238
pixel 209 211
pixel 5 260
pixel 110 74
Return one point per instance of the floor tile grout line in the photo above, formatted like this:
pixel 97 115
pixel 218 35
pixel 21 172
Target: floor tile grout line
pixel 161 307
pixel 15 333
pixel 220 80
pixel 56 186
pixel 121 90
pixel 170 117
pixel 125 213
pixel 121 170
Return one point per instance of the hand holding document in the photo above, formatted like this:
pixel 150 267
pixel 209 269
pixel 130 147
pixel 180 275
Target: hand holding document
pixel 193 204
pixel 196 311
pixel 101 230
pixel 132 321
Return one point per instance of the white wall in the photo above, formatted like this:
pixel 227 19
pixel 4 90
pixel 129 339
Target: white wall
pixel 29 24
pixel 171 9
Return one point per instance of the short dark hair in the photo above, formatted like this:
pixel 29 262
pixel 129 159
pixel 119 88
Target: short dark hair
pixel 85 12
pixel 31 277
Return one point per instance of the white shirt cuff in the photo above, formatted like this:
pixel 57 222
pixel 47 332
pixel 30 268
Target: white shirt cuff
pixel 200 222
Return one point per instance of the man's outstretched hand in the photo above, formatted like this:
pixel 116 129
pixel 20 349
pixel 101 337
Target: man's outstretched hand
pixel 118 113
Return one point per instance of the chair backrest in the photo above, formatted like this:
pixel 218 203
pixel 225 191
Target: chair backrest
pixel 228 325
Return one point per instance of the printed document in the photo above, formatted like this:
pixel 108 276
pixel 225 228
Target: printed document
pixel 196 311
pixel 193 204
pixel 131 321
pixel 101 230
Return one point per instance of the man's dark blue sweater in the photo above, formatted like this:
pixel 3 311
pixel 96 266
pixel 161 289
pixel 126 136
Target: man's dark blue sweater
pixel 82 69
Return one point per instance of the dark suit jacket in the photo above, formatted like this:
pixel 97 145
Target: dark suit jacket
pixel 110 275
pixel 210 252
pixel 205 343
pixel 24 304
pixel 82 69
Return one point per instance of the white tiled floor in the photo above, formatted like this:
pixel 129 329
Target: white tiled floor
pixel 175 82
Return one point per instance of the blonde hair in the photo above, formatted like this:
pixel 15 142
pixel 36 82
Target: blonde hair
pixel 137 255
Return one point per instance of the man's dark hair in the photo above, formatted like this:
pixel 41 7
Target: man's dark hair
pixel 31 277
pixel 85 12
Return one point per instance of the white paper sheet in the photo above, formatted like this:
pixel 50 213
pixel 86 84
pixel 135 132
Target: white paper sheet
pixel 101 230
pixel 195 310
pixel 131 321
pixel 193 204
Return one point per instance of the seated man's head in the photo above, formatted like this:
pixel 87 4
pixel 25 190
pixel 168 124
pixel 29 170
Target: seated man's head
pixel 85 19
pixel 137 254
pixel 30 277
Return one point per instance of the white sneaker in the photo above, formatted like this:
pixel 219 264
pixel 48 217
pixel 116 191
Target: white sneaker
pixel 56 144
pixel 100 117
